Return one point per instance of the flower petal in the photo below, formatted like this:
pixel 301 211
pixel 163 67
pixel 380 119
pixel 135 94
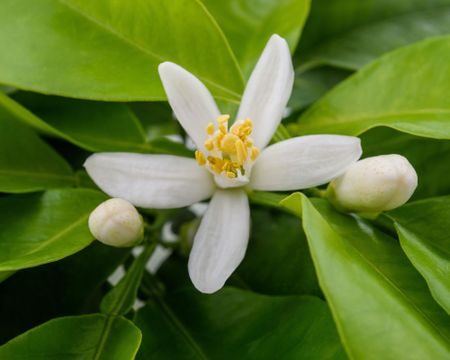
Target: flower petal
pixel 268 90
pixel 221 240
pixel 150 181
pixel 304 161
pixel 190 100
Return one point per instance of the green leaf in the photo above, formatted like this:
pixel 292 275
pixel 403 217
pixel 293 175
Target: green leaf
pixel 277 261
pixel 72 286
pixel 91 125
pixel 237 324
pixel 44 227
pixel 380 303
pixel 433 175
pixel 330 20
pixel 406 90
pixel 110 50
pixel 249 24
pixel 312 85
pixel 26 162
pixel 94 336
pixel 423 228
pixel 363 44
pixel 120 299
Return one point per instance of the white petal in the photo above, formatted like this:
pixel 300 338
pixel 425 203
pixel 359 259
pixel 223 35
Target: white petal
pixel 221 240
pixel 190 100
pixel 151 181
pixel 268 90
pixel 304 161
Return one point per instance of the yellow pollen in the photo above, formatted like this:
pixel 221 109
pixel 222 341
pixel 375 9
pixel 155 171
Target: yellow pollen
pixel 255 153
pixel 228 151
pixel 209 144
pixel 210 129
pixel 200 157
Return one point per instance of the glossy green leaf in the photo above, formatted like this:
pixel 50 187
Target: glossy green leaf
pixel 364 44
pixel 237 324
pixel 94 336
pixel 423 228
pixel 380 303
pixel 277 261
pixel 26 162
pixel 248 24
pixel 92 125
pixel 421 153
pixel 72 286
pixel 406 90
pixel 329 20
pixel 44 227
pixel 120 299
pixel 110 50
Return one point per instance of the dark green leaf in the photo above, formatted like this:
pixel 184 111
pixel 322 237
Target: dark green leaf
pixel 44 227
pixel 277 260
pixel 423 228
pixel 92 125
pixel 121 298
pixel 380 303
pixel 110 50
pixel 361 45
pixel 237 324
pixel 26 162
pixel 72 286
pixel 406 90
pixel 94 336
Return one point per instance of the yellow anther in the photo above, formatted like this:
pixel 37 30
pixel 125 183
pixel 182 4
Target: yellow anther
pixel 241 152
pixel 231 174
pixel 228 143
pixel 209 144
pixel 210 129
pixel 223 129
pixel 200 157
pixel 249 142
pixel 248 122
pixel 223 119
pixel 255 153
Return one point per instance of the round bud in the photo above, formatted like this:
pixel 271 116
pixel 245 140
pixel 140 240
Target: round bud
pixel 374 184
pixel 117 223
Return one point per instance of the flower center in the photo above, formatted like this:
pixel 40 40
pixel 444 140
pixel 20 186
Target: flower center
pixel 228 151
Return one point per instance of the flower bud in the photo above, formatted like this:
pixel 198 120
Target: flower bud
pixel 117 223
pixel 374 184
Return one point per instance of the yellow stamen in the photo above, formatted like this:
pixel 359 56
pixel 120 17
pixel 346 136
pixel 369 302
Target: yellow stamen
pixel 241 151
pixel 210 129
pixel 209 145
pixel 255 153
pixel 200 157
pixel 229 150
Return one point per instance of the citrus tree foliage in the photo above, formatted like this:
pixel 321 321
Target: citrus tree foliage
pixel 79 77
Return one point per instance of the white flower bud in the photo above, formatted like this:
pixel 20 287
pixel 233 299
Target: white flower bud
pixel 117 223
pixel 374 184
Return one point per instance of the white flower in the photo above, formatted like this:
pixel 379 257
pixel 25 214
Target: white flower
pixel 374 184
pixel 231 160
pixel 117 223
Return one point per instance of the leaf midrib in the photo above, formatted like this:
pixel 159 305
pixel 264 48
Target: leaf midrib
pixel 173 319
pixel 396 288
pixel 342 121
pixel 68 178
pixel 137 46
